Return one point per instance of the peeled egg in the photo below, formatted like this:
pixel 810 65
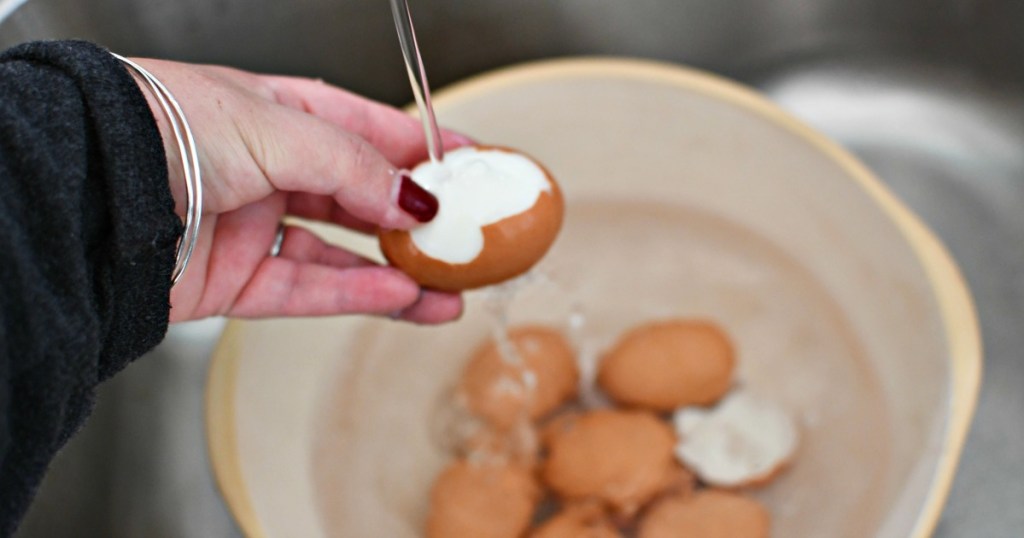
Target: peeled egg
pixel 708 514
pixel 482 501
pixel 499 212
pixel 620 457
pixel 668 364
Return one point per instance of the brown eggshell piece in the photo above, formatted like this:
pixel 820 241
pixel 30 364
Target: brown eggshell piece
pixel 619 457
pixel 482 501
pixel 494 387
pixel 708 514
pixel 668 364
pixel 581 520
pixel 511 246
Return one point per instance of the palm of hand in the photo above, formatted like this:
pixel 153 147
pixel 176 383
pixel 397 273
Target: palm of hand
pixel 275 146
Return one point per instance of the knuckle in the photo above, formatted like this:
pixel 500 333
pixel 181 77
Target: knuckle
pixel 362 158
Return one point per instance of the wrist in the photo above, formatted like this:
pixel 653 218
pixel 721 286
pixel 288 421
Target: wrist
pixel 175 171
pixel 189 158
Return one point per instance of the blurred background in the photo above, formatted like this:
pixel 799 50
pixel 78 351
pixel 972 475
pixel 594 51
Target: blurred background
pixel 927 92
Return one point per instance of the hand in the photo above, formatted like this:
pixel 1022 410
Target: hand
pixel 274 146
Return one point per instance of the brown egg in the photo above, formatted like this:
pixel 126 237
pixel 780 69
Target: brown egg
pixel 708 514
pixel 556 425
pixel 482 501
pixel 619 457
pixel 511 246
pixel 678 480
pixel 581 520
pixel 501 392
pixel 668 364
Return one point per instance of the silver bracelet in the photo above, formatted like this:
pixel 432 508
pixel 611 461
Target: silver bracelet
pixel 189 163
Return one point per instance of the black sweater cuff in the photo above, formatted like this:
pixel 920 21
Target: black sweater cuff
pixel 124 150
pixel 86 216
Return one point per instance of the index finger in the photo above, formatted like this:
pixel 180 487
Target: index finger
pixel 395 134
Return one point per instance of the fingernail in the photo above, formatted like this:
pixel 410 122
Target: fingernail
pixel 416 201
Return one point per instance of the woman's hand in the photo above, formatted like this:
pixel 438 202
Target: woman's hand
pixel 276 146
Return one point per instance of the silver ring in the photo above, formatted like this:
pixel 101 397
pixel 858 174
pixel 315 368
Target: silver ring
pixel 275 248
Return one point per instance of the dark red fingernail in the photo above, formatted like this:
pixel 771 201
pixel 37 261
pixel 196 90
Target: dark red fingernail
pixel 416 201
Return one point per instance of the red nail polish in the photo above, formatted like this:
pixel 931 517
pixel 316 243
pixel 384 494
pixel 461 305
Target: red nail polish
pixel 416 201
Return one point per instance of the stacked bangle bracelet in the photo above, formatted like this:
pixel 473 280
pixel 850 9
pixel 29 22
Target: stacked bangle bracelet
pixel 189 162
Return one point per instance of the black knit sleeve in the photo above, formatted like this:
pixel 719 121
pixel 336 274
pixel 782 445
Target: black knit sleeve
pixel 87 243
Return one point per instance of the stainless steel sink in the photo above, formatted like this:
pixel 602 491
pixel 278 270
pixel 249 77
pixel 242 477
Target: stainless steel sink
pixel 927 92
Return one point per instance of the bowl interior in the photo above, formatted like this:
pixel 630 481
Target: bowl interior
pixel 687 196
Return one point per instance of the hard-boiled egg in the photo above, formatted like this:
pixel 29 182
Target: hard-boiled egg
pixel 667 364
pixel 499 213
pixel 708 514
pixel 619 457
pixel 482 501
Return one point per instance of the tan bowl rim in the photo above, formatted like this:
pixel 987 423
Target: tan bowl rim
pixel 955 303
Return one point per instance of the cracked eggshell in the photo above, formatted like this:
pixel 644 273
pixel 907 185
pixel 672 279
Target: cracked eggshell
pixel 511 246
pixel 743 442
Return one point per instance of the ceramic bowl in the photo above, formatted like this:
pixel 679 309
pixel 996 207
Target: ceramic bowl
pixel 688 195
